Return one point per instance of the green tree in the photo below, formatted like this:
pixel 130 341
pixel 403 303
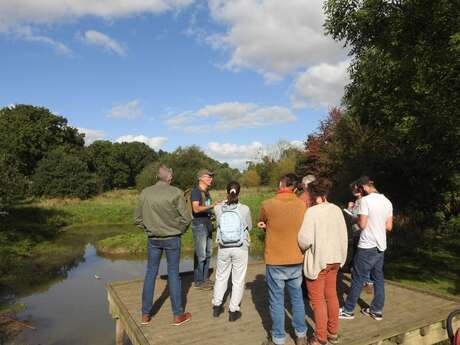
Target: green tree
pixel 185 163
pixel 117 165
pixel 63 174
pixel 404 95
pixel 27 133
pixel 250 178
pixel 14 185
pixel 285 165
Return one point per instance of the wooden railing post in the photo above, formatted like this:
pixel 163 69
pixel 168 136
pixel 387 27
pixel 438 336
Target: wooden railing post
pixel 119 333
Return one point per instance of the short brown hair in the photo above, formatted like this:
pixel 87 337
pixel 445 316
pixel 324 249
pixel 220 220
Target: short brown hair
pixel 289 180
pixel 319 188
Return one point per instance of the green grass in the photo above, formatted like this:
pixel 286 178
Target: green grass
pixel 115 207
pixel 136 243
pixel 432 265
pixel 38 238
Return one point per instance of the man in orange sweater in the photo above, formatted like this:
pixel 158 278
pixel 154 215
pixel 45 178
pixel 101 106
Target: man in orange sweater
pixel 281 218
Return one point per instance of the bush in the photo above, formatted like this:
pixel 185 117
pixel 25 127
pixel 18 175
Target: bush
pixel 147 176
pixel 13 186
pixel 250 178
pixel 62 174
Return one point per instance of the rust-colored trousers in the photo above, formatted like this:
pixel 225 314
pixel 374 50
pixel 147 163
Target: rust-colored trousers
pixel 322 293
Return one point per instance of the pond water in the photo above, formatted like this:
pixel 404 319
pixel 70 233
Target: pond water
pixel 74 310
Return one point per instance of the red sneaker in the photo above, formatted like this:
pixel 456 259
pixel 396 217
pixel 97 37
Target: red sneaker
pixel 179 320
pixel 145 320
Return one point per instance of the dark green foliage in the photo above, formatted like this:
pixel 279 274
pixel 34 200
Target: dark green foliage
pixel 13 186
pixel 27 133
pixel 402 124
pixel 185 163
pixel 117 165
pixel 147 176
pixel 63 174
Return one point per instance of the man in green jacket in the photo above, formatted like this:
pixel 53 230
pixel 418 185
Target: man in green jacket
pixel 163 214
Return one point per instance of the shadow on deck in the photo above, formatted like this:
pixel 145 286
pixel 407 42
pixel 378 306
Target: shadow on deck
pixel 412 316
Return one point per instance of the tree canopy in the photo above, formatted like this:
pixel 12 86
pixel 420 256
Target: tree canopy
pixel 27 133
pixel 402 121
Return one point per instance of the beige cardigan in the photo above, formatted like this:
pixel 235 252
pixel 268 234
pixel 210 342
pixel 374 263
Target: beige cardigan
pixel 323 236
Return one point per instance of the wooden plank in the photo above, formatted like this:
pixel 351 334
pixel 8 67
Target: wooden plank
pixel 411 316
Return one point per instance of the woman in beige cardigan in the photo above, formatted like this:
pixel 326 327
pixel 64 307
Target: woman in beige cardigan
pixel 323 236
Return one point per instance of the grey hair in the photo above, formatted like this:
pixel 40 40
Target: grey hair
pixel 164 173
pixel 308 179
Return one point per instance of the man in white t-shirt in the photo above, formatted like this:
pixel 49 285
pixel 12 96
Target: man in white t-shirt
pixel 375 219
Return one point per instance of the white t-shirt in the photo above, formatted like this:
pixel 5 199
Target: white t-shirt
pixel 378 209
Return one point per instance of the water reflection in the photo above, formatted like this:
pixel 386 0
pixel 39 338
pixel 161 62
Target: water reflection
pixel 68 304
pixel 75 310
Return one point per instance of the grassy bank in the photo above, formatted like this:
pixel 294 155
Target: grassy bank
pixel 41 240
pixel 135 243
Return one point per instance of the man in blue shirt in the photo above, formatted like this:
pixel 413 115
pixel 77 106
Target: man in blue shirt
pixel 202 229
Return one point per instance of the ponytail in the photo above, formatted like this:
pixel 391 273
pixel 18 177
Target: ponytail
pixel 233 192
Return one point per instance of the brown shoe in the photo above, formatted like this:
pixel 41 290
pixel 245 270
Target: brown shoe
pixel 333 338
pixel 145 319
pixel 315 341
pixel 268 342
pixel 369 288
pixel 301 341
pixel 205 286
pixel 179 320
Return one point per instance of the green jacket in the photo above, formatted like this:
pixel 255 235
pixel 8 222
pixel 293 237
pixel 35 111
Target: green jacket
pixel 162 211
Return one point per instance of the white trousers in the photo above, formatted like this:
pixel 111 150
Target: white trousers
pixel 234 261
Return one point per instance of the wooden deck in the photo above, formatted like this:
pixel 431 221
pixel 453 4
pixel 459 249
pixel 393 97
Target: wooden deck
pixel 412 316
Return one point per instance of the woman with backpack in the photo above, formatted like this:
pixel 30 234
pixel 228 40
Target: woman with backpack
pixel 233 226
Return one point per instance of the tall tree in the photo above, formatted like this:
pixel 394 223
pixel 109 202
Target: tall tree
pixel 27 133
pixel 404 91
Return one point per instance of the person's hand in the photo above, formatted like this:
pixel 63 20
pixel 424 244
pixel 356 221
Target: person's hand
pixel 262 225
pixel 217 202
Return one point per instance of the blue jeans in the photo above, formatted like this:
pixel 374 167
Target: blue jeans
pixel 277 278
pixel 155 248
pixel 202 236
pixel 367 261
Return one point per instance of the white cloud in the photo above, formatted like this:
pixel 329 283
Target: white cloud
pixel 321 85
pixel 92 135
pixel 154 142
pixel 20 12
pixel 230 115
pixel 130 110
pixel 26 33
pixel 273 37
pixel 298 144
pixel 99 39
pixel 237 155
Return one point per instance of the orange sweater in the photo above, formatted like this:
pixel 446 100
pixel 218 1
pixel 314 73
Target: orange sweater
pixel 283 215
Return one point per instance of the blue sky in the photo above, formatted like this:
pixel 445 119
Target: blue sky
pixel 233 77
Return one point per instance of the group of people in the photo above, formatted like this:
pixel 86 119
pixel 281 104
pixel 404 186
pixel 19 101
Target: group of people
pixel 305 240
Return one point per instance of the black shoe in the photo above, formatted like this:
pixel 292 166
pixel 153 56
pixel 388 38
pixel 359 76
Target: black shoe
pixel 234 315
pixel 217 310
pixel 372 314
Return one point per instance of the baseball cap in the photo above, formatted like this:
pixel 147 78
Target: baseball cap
pixel 204 172
pixel 363 180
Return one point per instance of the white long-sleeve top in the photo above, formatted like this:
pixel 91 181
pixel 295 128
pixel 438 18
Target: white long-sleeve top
pixel 323 236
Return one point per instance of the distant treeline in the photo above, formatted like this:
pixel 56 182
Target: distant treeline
pixel 41 155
